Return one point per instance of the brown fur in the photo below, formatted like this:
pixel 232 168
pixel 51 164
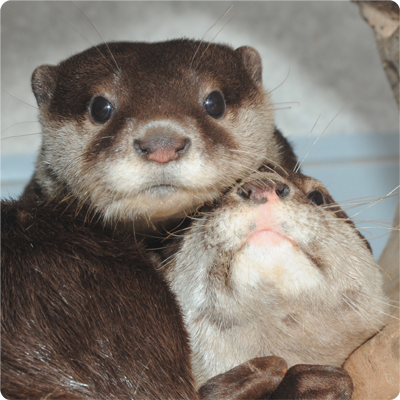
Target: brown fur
pixel 157 90
pixel 84 313
pixel 266 373
pixel 269 378
pixel 315 382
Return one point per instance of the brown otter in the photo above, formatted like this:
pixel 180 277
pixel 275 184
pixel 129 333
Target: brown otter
pixel 145 132
pixel 84 313
pixel 276 268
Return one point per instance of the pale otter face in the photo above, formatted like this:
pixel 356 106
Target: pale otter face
pixel 152 130
pixel 276 268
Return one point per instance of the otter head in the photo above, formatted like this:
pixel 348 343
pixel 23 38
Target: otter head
pixel 275 268
pixel 151 130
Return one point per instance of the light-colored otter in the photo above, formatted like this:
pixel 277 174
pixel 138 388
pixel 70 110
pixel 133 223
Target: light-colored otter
pixel 276 268
pixel 148 131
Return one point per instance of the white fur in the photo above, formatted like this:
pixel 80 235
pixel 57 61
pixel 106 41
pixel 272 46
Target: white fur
pixel 274 299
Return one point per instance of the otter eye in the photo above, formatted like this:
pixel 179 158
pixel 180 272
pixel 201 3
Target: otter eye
pixel 316 197
pixel 244 194
pixel 267 167
pixel 215 104
pixel 101 109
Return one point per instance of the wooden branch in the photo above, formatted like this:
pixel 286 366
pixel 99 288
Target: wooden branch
pixel 374 366
pixel 383 17
pixel 390 261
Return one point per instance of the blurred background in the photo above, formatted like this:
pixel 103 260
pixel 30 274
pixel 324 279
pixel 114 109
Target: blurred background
pixel 320 63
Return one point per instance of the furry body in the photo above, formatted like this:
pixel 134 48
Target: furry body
pixel 84 313
pixel 270 272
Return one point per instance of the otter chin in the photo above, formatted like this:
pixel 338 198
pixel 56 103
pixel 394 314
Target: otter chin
pixel 275 268
pixel 161 190
pixel 268 237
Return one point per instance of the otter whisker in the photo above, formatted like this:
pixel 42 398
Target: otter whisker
pixel 208 30
pixel 377 201
pixel 330 122
pixel 95 27
pixel 80 33
pixel 378 225
pixel 19 136
pixel 387 303
pixel 280 108
pixel 16 98
pixel 17 123
pixel 379 236
pixel 288 102
pixel 212 40
pixel 358 311
pixel 295 169
pixel 379 310
pixel 353 204
pixel 287 76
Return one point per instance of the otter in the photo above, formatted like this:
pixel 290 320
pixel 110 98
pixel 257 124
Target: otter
pixel 133 134
pixel 145 132
pixel 275 267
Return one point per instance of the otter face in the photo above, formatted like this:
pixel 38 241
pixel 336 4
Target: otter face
pixel 152 129
pixel 276 268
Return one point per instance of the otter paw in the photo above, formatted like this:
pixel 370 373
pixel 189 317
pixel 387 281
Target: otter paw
pixel 254 379
pixel 315 382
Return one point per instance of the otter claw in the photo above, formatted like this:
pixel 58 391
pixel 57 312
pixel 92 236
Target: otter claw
pixel 315 382
pixel 254 379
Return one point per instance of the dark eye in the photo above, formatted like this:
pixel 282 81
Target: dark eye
pixel 215 104
pixel 101 109
pixel 316 197
pixel 267 167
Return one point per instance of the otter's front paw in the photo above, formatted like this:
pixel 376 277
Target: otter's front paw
pixel 315 382
pixel 254 379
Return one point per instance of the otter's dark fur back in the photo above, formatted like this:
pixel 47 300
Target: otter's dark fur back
pixel 84 313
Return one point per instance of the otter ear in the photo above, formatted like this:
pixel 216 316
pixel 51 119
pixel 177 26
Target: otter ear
pixel 44 81
pixel 252 62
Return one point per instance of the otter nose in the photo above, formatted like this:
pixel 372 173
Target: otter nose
pixel 263 190
pixel 162 149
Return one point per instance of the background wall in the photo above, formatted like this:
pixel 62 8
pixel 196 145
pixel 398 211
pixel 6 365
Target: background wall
pixel 316 57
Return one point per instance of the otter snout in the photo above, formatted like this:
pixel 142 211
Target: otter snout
pixel 263 190
pixel 162 141
pixel 162 149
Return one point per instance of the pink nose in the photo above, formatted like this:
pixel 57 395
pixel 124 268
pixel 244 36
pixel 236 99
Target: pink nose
pixel 162 149
pixel 263 190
